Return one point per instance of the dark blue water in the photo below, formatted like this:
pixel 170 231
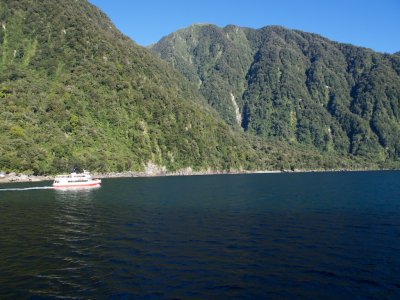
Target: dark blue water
pixel 274 236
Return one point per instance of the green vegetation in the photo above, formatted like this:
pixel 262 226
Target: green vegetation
pixel 295 87
pixel 75 92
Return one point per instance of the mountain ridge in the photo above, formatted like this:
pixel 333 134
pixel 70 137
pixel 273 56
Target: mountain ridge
pixel 295 86
pixel 75 92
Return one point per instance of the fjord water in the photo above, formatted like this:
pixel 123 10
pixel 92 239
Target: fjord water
pixel 310 235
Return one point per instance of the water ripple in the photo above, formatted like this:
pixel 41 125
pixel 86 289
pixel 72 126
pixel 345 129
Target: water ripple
pixel 246 237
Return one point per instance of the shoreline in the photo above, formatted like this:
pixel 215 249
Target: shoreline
pixel 22 178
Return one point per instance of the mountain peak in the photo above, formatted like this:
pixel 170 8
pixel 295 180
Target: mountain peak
pixel 295 86
pixel 75 91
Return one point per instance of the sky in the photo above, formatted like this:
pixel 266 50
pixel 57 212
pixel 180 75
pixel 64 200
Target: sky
pixel 373 24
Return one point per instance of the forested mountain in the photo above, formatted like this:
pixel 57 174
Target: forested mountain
pixel 75 92
pixel 294 86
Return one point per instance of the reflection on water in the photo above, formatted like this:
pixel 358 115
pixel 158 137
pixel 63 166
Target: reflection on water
pixel 82 190
pixel 72 240
pixel 46 241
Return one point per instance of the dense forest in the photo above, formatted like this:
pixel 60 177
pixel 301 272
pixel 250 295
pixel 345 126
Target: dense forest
pixel 74 91
pixel 294 86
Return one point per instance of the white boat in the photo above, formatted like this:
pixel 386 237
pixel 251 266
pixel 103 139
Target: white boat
pixel 75 180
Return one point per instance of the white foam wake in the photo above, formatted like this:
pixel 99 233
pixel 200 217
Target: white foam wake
pixel 27 189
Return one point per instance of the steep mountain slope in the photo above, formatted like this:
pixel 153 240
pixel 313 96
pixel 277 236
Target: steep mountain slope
pixel 294 86
pixel 75 91
pixel 215 59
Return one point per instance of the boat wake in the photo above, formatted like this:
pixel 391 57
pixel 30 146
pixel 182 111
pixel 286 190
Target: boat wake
pixel 27 189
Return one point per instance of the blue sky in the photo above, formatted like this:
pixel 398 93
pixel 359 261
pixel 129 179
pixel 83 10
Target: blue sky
pixel 369 23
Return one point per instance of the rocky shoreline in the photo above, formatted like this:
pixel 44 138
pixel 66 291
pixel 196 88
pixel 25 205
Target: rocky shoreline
pixel 154 171
pixel 14 177
pixel 177 173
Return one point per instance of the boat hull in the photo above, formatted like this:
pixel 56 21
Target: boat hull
pixel 93 183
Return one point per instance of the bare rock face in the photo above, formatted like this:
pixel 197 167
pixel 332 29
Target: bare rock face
pixel 152 169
